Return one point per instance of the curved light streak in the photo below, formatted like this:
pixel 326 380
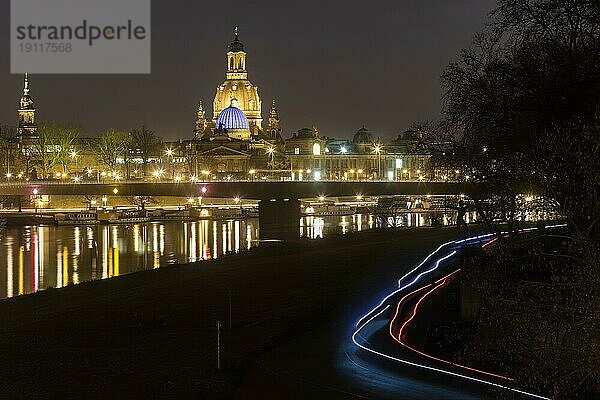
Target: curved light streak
pixel 486 244
pixel 437 285
pixel 423 366
pixel 430 255
pixel 427 367
pixel 437 264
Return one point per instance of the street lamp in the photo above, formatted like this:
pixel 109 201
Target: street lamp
pixel 169 152
pixel 157 173
pixel 377 150
pixel 35 199
pixel 73 154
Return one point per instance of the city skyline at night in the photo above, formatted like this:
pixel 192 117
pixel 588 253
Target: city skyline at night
pixel 337 69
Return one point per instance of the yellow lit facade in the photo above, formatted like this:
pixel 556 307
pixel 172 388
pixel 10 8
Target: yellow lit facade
pixel 234 145
pixel 238 89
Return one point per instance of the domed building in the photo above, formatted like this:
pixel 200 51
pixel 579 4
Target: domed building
pixel 363 136
pixel 233 141
pixel 237 87
pixel 233 121
pixel 363 141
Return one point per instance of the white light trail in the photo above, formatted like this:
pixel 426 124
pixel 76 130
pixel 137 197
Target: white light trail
pixel 401 288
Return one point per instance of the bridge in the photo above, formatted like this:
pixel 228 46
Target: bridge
pixel 259 190
pixel 279 207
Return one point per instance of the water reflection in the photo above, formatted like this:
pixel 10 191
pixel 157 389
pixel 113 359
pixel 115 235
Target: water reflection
pixel 38 257
pixel 313 227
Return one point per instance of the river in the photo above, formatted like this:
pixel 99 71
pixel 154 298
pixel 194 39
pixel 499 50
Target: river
pixel 34 258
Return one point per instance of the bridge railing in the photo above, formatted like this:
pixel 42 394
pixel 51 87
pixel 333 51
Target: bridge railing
pixel 133 182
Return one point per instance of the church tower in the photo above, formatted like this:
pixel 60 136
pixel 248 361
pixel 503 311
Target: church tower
pixel 237 87
pixel 27 125
pixel 236 59
pixel 201 123
pixel 274 124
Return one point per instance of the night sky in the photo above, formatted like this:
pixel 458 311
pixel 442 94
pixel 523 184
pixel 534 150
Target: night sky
pixel 333 64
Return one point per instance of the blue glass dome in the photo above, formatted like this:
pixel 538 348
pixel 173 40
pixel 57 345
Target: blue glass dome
pixel 232 118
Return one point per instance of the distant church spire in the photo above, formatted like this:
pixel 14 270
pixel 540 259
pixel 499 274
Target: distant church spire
pixel 201 122
pixel 26 84
pixel 274 124
pixel 274 114
pixel 26 112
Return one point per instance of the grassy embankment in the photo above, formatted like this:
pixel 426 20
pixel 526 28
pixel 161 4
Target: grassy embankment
pixel 152 334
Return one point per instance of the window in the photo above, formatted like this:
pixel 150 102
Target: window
pixel 316 149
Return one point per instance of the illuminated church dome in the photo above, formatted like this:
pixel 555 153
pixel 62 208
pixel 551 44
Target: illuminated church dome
pixel 238 87
pixel 234 121
pixel 232 118
pixel 363 136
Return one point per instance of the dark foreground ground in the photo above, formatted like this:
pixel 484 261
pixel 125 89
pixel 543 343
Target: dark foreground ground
pixel 152 334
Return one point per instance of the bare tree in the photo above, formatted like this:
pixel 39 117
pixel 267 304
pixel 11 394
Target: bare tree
pixel 66 139
pixel 8 149
pixel 530 78
pixel 146 144
pixel 110 146
pixel 54 146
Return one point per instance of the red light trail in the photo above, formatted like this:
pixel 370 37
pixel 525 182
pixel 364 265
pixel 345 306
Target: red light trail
pixel 440 283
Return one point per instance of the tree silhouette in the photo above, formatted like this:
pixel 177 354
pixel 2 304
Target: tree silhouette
pixel 110 146
pixel 145 144
pixel 530 81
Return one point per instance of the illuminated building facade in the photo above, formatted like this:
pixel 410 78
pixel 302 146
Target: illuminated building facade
pixel 234 144
pixel 27 124
pixel 364 158
pixel 238 90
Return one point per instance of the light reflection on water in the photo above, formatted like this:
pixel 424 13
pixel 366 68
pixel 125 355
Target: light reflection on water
pixel 315 227
pixel 39 257
pixel 33 258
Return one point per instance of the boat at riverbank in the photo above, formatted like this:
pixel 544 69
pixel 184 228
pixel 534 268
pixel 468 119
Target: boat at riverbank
pixel 76 218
